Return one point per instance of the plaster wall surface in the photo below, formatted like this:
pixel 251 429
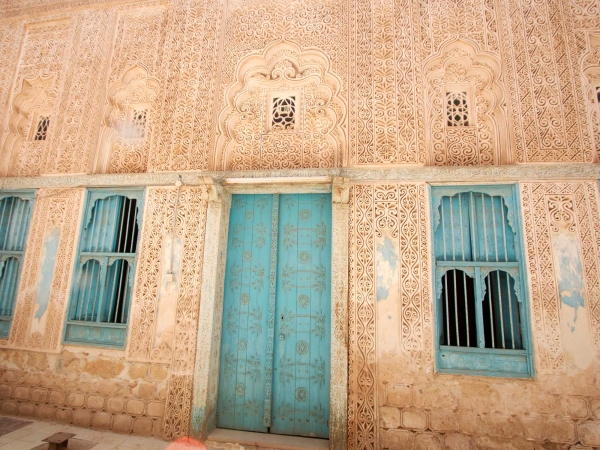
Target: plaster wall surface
pixel 371 79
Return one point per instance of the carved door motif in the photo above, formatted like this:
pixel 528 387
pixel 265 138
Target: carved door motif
pixel 275 351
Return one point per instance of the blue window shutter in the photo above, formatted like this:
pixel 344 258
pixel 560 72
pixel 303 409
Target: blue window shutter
pixel 101 293
pixel 15 216
pixel 481 318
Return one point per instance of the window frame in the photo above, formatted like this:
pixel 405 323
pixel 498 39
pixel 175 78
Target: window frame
pixel 100 334
pixel 35 125
pixel 131 108
pixel 446 356
pixel 28 195
pixel 467 89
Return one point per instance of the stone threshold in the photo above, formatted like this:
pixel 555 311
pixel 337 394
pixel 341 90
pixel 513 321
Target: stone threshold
pixel 264 440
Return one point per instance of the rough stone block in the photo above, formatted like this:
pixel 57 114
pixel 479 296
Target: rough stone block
pixel 122 423
pixel 102 420
pixel 45 412
pixel 412 418
pixel 64 415
pixel 560 430
pixel 496 425
pixel 21 393
pixel 396 439
pixel 544 404
pixel 441 420
pixel 142 426
pixel 39 395
pixel 595 408
pixel 115 404
pixel 76 400
pixel 135 407
pixel 82 418
pixel 457 442
pixel 589 433
pixel 156 409
pixel 575 407
pixel 9 406
pixel 389 417
pixel 26 409
pixel 56 398
pixel 5 390
pixel 532 427
pixel 436 396
pixel 158 373
pixel 426 441
pixel 147 391
pixel 399 395
pixel 468 422
pixel 95 402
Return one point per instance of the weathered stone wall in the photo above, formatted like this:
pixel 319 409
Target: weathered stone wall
pixel 145 388
pixel 85 387
pixel 397 401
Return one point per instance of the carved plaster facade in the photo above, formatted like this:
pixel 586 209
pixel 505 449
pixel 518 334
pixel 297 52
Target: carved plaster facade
pixel 373 101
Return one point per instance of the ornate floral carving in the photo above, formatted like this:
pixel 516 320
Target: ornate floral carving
pixel 547 207
pixel 459 66
pixel 55 211
pixel 247 139
pixel 118 152
pixel 179 346
pixel 548 120
pixel 39 76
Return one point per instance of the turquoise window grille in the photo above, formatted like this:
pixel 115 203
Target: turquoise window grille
pixel 15 215
pixel 101 294
pixel 482 325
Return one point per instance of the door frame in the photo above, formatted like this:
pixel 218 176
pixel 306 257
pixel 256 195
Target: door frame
pixel 206 369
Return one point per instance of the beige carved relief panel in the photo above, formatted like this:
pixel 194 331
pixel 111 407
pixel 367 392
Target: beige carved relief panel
pixel 284 111
pixel 458 71
pixel 45 283
pixel 190 61
pixel 168 283
pixel 398 211
pixel 133 89
pixel 40 74
pixel 550 210
pixel 81 99
pixel 541 57
pixel 591 70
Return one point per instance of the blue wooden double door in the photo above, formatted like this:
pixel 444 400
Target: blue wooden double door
pixel 275 350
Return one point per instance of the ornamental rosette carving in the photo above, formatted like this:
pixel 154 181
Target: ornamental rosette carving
pixel 247 138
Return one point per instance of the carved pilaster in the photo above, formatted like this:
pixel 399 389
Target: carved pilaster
pixel 206 371
pixel 340 194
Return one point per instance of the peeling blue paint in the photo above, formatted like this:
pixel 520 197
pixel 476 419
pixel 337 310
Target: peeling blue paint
pixel 387 265
pixel 570 273
pixel 45 281
pixel 197 420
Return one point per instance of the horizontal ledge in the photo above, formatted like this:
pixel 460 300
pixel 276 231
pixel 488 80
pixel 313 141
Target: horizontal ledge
pixel 271 441
pixel 276 180
pixel 415 174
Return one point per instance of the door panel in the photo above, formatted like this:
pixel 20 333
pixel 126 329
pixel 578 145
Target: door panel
pixel 302 326
pixel 275 353
pixel 243 374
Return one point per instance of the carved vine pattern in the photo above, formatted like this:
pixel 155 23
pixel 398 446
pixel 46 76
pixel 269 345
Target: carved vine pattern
pixel 55 210
pixel 401 209
pixel 546 207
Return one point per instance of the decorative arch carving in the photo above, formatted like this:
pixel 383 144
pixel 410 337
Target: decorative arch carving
pixel 460 67
pixel 590 64
pixel 247 138
pixel 126 124
pixel 24 154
